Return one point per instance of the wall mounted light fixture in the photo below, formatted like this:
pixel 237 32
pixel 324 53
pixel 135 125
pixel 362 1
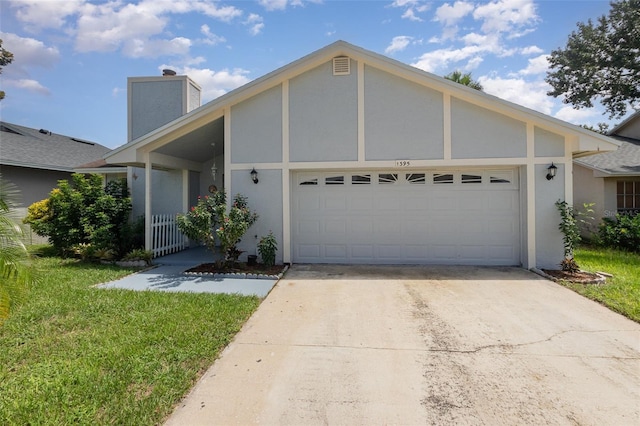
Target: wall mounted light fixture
pixel 254 175
pixel 551 171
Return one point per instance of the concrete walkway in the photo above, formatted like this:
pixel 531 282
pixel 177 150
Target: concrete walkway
pixel 168 275
pixel 422 345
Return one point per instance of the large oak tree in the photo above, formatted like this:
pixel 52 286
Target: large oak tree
pixel 601 62
pixel 5 59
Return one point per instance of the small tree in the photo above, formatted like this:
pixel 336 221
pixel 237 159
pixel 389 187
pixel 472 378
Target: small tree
pixel 208 222
pixel 569 226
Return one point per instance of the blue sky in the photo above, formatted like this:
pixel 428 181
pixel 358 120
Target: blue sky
pixel 73 57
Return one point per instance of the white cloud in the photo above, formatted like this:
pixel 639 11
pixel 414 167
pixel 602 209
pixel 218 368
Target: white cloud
pixel 271 5
pixel 210 38
pixel 507 16
pixel 29 85
pixel 412 7
pixel 115 92
pixel 152 48
pixel 531 50
pixel 213 83
pixel 537 65
pixel 450 15
pixel 27 53
pixel 398 44
pixel 576 116
pixel 39 14
pixel 256 24
pixel 443 59
pixel 529 94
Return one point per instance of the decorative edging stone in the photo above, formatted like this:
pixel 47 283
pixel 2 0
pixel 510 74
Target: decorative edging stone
pixel 600 280
pixel 126 263
pixel 240 275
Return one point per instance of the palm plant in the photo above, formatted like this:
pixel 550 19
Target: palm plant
pixel 15 271
pixel 464 79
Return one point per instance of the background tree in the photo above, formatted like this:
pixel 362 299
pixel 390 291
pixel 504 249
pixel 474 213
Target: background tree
pixel 464 79
pixel 6 58
pixel 601 61
pixel 15 270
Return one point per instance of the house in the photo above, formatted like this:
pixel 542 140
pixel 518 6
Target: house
pixel 611 180
pixel 36 159
pixel 363 159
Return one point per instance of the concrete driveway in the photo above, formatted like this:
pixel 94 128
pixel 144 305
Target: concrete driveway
pixel 423 345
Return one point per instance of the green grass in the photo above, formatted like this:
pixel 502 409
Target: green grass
pixel 620 293
pixel 75 354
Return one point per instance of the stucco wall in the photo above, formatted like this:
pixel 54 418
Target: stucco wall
pixel 323 115
pixel 549 246
pixel 588 189
pixel 265 198
pixel 154 104
pixel 403 120
pixel 477 132
pixel 34 184
pixel 166 194
pixel 548 144
pixel 256 128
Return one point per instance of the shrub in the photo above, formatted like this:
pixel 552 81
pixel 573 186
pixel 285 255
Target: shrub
pixel 623 232
pixel 267 247
pixel 139 254
pixel 85 212
pixel 209 223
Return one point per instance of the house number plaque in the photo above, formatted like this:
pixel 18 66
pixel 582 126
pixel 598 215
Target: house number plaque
pixel 403 163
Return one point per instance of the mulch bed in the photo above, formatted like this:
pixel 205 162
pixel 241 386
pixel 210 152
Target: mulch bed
pixel 242 268
pixel 580 277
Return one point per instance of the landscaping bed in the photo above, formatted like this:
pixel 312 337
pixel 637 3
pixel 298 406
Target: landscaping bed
pixel 239 270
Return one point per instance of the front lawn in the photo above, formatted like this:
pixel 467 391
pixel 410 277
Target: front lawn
pixel 75 354
pixel 620 293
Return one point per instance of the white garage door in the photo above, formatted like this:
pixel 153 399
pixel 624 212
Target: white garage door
pixel 446 217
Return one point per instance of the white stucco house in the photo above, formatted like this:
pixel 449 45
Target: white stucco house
pixel 363 159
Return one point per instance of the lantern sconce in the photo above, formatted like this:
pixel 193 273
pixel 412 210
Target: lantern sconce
pixel 254 175
pixel 551 171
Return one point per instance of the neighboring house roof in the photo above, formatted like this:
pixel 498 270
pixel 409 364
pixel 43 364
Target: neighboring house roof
pixel 586 142
pixel 41 149
pixel 625 161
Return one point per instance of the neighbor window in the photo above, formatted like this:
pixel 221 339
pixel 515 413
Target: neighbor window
pixel 628 197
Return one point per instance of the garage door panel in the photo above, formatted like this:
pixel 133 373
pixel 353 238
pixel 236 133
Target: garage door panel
pixel 335 202
pixel 362 251
pixel 335 252
pixel 405 222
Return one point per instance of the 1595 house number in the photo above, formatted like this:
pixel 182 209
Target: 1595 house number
pixel 403 163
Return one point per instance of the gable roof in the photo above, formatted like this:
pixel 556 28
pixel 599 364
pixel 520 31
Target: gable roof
pixel 625 161
pixel 41 149
pixel 587 142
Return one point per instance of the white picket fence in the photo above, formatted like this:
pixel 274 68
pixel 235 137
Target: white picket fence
pixel 165 236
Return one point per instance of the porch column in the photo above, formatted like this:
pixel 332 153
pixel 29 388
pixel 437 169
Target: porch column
pixel 147 202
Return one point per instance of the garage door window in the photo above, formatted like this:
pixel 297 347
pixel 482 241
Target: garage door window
pixel 471 178
pixel 361 179
pixel 442 178
pixel 416 178
pixel 312 181
pixel 385 178
pixel 334 180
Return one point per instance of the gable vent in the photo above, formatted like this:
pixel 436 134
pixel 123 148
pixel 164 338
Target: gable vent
pixel 341 65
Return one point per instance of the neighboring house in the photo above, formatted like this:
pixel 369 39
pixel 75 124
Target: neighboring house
pixel 35 160
pixel 363 159
pixel 611 180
